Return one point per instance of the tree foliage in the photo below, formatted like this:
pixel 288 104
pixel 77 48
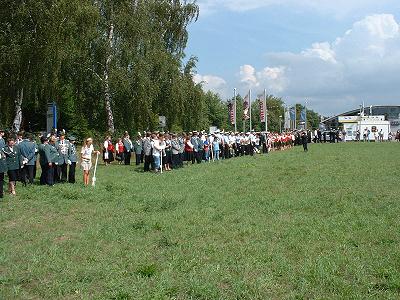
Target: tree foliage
pixel 110 65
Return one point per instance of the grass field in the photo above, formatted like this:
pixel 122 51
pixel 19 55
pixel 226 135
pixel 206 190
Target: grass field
pixel 291 225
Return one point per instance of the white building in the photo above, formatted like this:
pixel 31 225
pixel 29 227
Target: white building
pixel 372 123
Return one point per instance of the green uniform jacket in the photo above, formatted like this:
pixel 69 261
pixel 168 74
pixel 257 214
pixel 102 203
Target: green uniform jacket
pixel 27 150
pixel 3 162
pixel 72 153
pixel 12 157
pixel 52 154
pixel 63 157
pixel 42 153
pixel 137 145
pixel 127 144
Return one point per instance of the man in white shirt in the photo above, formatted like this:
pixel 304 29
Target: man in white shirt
pixel 158 147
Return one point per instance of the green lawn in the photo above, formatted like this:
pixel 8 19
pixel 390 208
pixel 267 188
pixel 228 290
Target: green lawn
pixel 292 225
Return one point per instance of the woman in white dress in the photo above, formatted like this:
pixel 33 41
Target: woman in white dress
pixel 86 158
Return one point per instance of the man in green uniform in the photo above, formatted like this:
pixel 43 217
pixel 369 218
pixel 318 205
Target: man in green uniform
pixel 128 147
pixel 52 156
pixel 62 147
pixel 44 143
pixel 27 151
pixel 72 160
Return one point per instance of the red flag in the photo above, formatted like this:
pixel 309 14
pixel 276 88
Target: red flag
pixel 262 110
pixel 231 109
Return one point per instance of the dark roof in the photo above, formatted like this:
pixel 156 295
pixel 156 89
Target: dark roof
pixel 354 111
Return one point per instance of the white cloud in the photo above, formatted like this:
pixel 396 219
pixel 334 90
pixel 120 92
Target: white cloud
pixel 248 76
pixel 362 65
pixel 212 83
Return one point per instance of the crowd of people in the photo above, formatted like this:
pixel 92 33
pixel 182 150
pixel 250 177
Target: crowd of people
pixel 167 151
pixel 58 156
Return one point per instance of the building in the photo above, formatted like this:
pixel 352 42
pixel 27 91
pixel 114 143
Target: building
pixel 356 126
pixel 390 113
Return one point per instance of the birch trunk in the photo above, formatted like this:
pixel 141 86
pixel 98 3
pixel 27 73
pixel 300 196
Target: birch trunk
pixel 18 111
pixel 107 93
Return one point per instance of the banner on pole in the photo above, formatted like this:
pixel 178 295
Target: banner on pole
pixel 246 107
pixel 231 109
pixel 262 110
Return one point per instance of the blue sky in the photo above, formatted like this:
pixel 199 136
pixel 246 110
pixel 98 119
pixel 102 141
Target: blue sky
pixel 336 54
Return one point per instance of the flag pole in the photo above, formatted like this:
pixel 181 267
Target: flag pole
pixel 250 107
pixel 265 110
pixel 305 111
pixel 234 96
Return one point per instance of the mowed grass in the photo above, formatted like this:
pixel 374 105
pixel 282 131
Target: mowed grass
pixel 291 225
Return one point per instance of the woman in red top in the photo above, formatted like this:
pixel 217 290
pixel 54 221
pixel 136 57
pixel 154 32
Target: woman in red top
pixel 119 150
pixel 188 150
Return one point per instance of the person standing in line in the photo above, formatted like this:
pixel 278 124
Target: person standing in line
pixel 158 149
pixel 44 164
pixel 73 159
pixel 138 148
pixel 304 141
pixel 108 151
pixel 200 149
pixel 119 151
pixel 62 146
pixel 215 148
pixel 27 150
pixel 175 148
pixel 128 149
pixel 206 148
pixel 3 169
pixel 380 136
pixel 189 150
pixel 195 142
pixel 181 141
pixel 147 149
pixel 12 154
pixel 86 159
pixel 52 156
pixel 167 158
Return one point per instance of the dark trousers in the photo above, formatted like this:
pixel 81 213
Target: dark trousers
pixel 34 170
pixel 127 157
pixel 138 158
pixel 305 147
pixel 43 176
pixel 264 148
pixel 27 174
pixel 226 151
pixel 56 176
pixel 176 161
pixel 199 156
pixel 71 173
pixel 147 162
pixel 1 185
pixel 50 174
pixel 62 173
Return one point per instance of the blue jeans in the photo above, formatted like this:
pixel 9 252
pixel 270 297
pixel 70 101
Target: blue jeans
pixel 207 154
pixel 157 162
pixel 216 154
